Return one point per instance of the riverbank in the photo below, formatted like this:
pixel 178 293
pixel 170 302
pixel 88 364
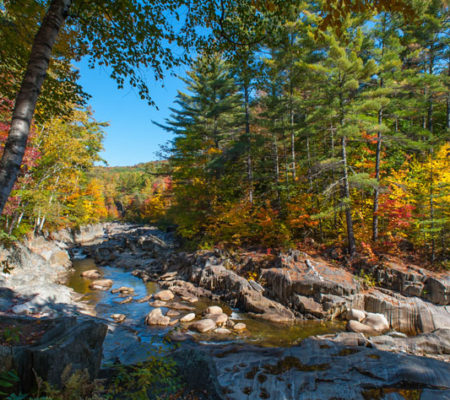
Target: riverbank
pixel 372 327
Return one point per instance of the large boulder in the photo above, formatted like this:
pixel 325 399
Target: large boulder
pixel 411 280
pixel 404 314
pixel 305 277
pixel 437 290
pixel 68 343
pixel 307 305
pixel 88 234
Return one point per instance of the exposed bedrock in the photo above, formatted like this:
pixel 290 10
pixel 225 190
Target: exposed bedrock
pixel 317 369
pixel 70 344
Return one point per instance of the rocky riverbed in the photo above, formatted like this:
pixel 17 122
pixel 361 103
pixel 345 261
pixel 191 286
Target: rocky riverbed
pixel 387 341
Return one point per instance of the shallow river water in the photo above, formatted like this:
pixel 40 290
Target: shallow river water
pixel 134 341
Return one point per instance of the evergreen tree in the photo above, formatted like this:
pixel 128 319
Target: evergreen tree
pixel 202 155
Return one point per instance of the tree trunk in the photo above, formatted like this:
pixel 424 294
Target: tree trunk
pixel 377 177
pixel 332 178
pixel 448 101
pixel 276 167
pixel 249 144
pixel 28 94
pixel 346 196
pixel 291 112
pixel 433 239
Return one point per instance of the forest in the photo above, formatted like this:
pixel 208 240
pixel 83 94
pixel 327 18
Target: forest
pixel 299 133
pixel 291 238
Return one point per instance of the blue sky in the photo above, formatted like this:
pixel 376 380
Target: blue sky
pixel 131 137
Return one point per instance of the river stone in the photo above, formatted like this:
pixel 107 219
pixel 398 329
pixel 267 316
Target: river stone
pixel 156 317
pixel 158 303
pixel 222 331
pixel 358 327
pixel 188 317
pixel 230 324
pixel 219 319
pixel 355 315
pixel 174 322
pixel 190 299
pixel 123 290
pixel 127 300
pixel 91 274
pixel 144 299
pixel 204 325
pixel 180 306
pixel 377 321
pixel 101 284
pixel 118 317
pixel 240 326
pixel 214 310
pixel 164 295
pixel 172 313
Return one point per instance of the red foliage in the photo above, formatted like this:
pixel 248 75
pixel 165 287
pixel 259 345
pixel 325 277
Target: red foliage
pixel 398 214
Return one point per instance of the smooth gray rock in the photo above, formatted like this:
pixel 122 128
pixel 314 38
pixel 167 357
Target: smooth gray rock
pixel 318 369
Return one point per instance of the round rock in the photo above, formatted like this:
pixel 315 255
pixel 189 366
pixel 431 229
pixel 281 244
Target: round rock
pixel 219 319
pixel 203 325
pixel 118 318
pixel 240 326
pixel 222 331
pixel 188 317
pixel 156 317
pixel 214 310
pixel 164 295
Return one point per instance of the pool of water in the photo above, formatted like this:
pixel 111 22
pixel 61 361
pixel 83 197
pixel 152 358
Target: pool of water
pixel 133 341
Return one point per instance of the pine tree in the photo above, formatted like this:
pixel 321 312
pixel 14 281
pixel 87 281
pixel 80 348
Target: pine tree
pixel 202 156
pixel 343 73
